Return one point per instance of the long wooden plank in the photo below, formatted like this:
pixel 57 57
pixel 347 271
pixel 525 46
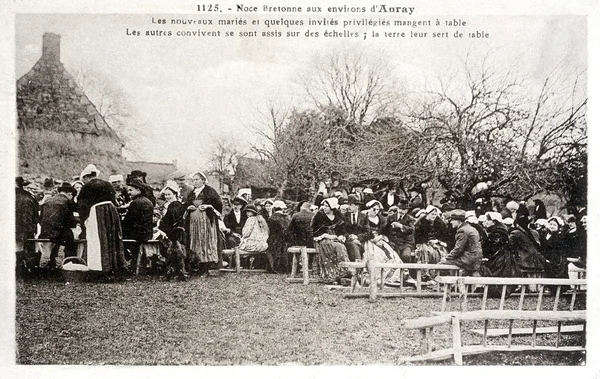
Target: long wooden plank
pixel 521 315
pixel 500 332
pixel 426 322
pixel 297 249
pixel 392 295
pixel 417 266
pixel 353 264
pixel 478 349
pixel 510 281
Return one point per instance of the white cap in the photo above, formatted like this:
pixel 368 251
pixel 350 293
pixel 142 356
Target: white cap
pixel 542 221
pixel 508 221
pixel 367 190
pixel 332 202
pixel 279 204
pixel 88 170
pixel 115 178
pixel 172 185
pixel 373 202
pixel 494 216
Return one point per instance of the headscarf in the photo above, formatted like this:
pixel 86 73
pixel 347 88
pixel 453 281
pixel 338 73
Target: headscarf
pixel 88 170
pixel 332 202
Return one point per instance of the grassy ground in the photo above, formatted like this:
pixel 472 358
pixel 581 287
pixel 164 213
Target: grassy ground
pixel 227 320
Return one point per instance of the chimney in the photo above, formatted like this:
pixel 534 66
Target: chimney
pixel 51 47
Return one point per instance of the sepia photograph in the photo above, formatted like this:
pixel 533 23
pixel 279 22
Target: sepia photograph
pixel 281 184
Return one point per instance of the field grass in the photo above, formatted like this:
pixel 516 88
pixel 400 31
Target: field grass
pixel 226 320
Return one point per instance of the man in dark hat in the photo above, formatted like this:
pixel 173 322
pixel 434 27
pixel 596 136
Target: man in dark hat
pixel 234 222
pixel 26 219
pixel 148 192
pixel 400 230
pixel 355 230
pixel 137 223
pixel 57 219
pixel 467 252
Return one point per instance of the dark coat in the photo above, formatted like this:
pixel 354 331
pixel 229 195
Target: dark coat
pixel 172 222
pixel 554 251
pixel 359 229
pixel 231 223
pixel 93 192
pixel 467 251
pixel 522 242
pixel 321 224
pixel 383 200
pixel 137 223
pixel 371 228
pixel 278 226
pixel 400 238
pixel 497 240
pixel 208 195
pixel 26 215
pixel 57 217
pixel 299 230
pixel 426 231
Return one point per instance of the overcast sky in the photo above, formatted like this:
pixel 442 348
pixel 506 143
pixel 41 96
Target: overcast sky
pixel 187 91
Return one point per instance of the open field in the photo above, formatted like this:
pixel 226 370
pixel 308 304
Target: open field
pixel 228 320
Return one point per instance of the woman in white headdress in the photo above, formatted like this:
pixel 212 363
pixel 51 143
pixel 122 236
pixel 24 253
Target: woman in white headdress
pixel 377 246
pixel 204 207
pixel 101 223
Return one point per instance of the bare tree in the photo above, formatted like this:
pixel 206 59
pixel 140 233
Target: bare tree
pixel 224 159
pixel 489 128
pixel 358 81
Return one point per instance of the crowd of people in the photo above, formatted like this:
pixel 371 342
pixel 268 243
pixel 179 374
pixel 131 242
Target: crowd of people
pixel 117 217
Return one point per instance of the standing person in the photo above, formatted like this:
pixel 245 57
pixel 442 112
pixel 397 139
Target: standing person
pixel 172 225
pixel 26 219
pixel 327 227
pixel 101 225
pixel 204 207
pixel 234 223
pixel 57 219
pixel 120 190
pixel 148 192
pixel 467 251
pixel 138 221
pixel 278 226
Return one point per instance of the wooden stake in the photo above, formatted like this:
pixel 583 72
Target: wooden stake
pixel 304 256
pixel 510 327
pixel 557 298
pixel 238 266
pixel 485 295
pixel 522 298
pixel 558 334
pixel 462 293
pixel 372 281
pixel 534 332
pixel 502 297
pixel 485 332
pixel 540 295
pixel 456 341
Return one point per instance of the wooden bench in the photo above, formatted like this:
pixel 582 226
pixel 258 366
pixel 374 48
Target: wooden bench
pixel 426 325
pixel 463 283
pixel 300 254
pixel 371 267
pixel 44 247
pixel 237 254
